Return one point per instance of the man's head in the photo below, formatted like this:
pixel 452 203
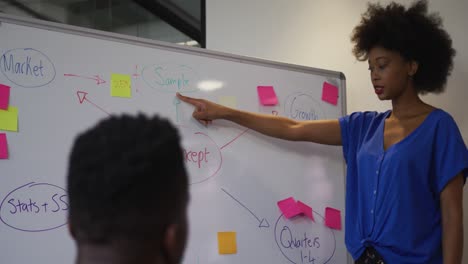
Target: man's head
pixel 127 183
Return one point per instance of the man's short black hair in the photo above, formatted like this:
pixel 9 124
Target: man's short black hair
pixel 126 180
pixel 414 34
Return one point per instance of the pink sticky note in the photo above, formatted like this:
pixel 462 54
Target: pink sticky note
pixel 306 210
pixel 267 95
pixel 330 93
pixel 333 218
pixel 4 96
pixel 3 146
pixel 289 207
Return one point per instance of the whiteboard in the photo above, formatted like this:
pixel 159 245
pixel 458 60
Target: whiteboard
pixel 60 81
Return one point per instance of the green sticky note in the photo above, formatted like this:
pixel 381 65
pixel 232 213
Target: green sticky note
pixel 227 243
pixel 9 119
pixel 121 85
pixel 229 101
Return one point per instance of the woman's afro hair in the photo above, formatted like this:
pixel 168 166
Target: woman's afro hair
pixel 415 34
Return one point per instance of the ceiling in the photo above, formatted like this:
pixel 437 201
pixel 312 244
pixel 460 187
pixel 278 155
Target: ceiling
pixel 176 21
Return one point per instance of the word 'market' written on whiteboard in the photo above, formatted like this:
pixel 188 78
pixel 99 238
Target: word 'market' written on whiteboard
pixel 27 67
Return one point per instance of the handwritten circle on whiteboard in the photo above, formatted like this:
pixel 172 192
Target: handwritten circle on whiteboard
pixel 301 106
pixel 170 78
pixel 202 156
pixel 27 67
pixel 302 240
pixel 35 207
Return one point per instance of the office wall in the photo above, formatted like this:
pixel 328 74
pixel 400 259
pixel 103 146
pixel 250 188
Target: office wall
pixel 316 33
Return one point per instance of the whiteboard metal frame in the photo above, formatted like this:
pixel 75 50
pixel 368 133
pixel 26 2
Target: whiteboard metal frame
pixel 35 23
pixel 116 37
pixel 86 32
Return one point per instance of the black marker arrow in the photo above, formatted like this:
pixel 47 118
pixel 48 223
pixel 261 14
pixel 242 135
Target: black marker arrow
pixel 263 222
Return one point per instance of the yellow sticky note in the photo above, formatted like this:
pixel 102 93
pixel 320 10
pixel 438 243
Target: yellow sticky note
pixel 227 243
pixel 121 85
pixel 229 101
pixel 9 119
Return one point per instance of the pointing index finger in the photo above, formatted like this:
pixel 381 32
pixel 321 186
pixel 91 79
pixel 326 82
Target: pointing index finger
pixel 190 100
pixel 186 99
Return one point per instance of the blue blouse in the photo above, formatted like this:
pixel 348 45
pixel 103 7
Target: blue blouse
pixel 393 195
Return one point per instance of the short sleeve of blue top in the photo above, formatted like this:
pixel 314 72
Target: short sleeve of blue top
pixel 393 195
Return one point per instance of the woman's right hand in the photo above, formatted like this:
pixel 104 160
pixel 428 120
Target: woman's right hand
pixel 205 111
pixel 318 131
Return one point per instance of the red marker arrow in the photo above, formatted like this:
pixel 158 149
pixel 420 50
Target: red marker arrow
pixel 95 78
pixel 234 139
pixel 82 97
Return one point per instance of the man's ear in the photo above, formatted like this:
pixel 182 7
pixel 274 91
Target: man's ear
pixel 413 68
pixel 170 241
pixel 70 229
